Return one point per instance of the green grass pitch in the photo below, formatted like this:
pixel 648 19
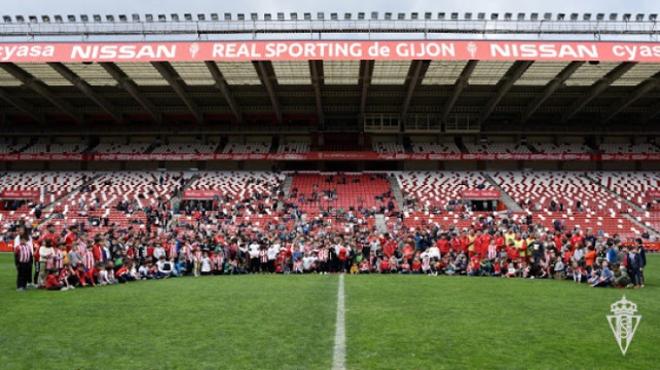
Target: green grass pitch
pixel 288 322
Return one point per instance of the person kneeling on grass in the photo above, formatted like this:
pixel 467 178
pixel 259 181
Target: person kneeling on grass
pixel 84 278
pixel 123 274
pixel 68 277
pixel 52 281
pixel 165 268
pixel 603 278
pixel 621 277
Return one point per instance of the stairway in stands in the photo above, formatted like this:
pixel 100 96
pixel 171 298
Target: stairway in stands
pixel 49 208
pixel 177 197
pixel 633 205
pixel 286 189
pixel 636 207
pixel 504 196
pixel 396 190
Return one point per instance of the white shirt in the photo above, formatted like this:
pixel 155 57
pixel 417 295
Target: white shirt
pixel 308 261
pixel 272 251
pixel 44 253
pixel 253 250
pixel 434 251
pixel 161 266
pixel 159 251
pixel 206 264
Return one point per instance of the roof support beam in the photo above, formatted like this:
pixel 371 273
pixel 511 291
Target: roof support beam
pixel 267 76
pixel 550 89
pixel 415 76
pixel 176 82
pixel 316 73
pixel 459 86
pixel 22 106
pixel 503 86
pixel 597 89
pixel 131 88
pixel 86 89
pixel 42 89
pixel 366 73
pixel 654 111
pixel 223 86
pixel 640 90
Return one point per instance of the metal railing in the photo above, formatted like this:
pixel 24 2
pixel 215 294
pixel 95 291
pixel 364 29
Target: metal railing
pixel 426 28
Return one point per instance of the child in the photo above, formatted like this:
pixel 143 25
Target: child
pixel 426 264
pixel 558 269
pixel 497 268
pixel 103 277
pixel 365 267
pixel 298 266
pixel 110 271
pixel 218 263
pixel 405 267
pixel 205 264
pixel 416 266
pixel 577 272
pixel 143 272
pixel 52 281
pixel 84 277
pixel 67 277
pixel 197 261
pixel 511 270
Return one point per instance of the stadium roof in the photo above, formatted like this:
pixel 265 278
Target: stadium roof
pixel 427 23
pixel 510 85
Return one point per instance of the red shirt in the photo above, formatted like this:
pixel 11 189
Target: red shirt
pixel 342 254
pixel 68 240
pixel 389 248
pixel 443 245
pixel 52 281
pixel 384 264
pixel 576 240
pixel 408 251
pixel 97 251
pixel 50 236
pixel 512 252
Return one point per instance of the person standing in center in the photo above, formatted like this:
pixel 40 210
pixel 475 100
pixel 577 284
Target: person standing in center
pixel 23 261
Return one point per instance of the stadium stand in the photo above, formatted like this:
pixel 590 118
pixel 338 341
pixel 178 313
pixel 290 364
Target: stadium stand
pixel 247 148
pixel 186 148
pixel 122 148
pixel 435 148
pixel 388 147
pixel 561 148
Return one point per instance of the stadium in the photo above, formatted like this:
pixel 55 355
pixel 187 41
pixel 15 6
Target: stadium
pixel 367 190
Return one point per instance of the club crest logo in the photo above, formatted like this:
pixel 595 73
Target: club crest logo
pixel 193 49
pixel 472 49
pixel 624 322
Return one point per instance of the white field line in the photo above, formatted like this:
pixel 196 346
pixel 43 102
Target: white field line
pixel 339 353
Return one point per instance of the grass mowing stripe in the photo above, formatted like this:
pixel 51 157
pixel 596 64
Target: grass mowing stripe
pixel 454 322
pixel 214 322
pixel 339 353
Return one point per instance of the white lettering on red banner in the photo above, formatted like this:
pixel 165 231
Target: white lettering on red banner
pixel 19 194
pixel 244 51
pixel 480 194
pixel 317 156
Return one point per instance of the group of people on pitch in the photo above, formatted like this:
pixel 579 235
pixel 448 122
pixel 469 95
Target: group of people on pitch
pixel 492 246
